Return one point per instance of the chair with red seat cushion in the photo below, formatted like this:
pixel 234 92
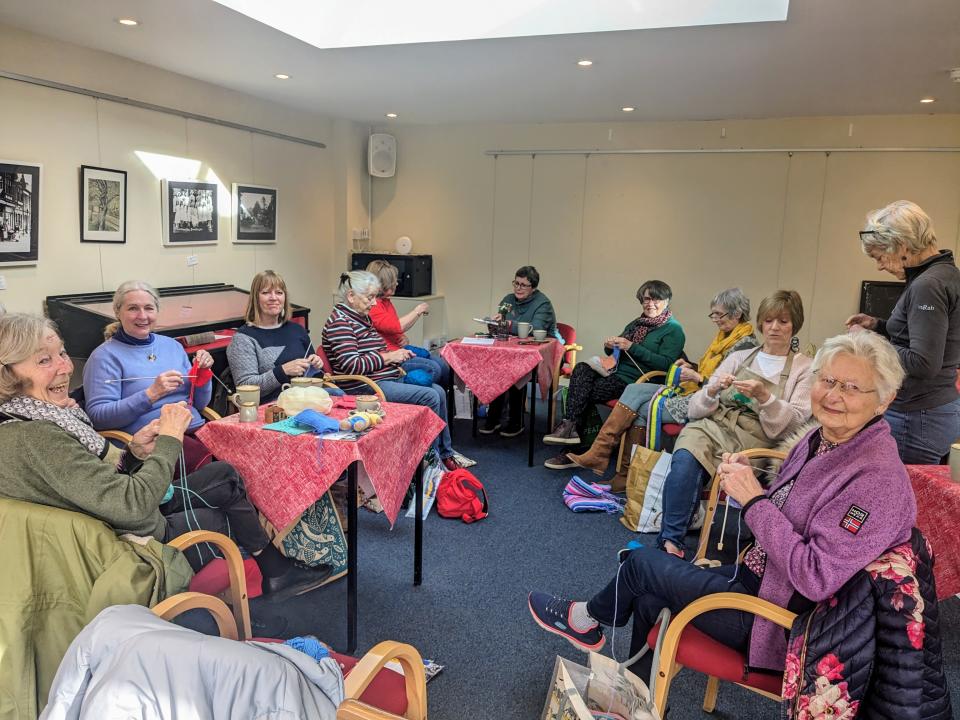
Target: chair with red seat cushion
pixel 214 578
pixel 682 645
pixel 331 380
pixel 567 361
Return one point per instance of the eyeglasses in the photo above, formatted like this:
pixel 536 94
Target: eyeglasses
pixel 647 299
pixel 717 316
pixel 847 389
pixel 520 285
pixel 870 235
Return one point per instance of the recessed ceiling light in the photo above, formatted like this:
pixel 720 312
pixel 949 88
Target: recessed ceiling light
pixel 584 62
pixel 282 76
pixel 928 100
pixel 628 109
pixel 129 22
pixel 391 115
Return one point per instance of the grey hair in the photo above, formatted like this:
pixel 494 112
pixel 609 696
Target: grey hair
pixel 899 223
pixel 734 302
pixel 360 281
pixel 20 337
pixel 128 286
pixel 888 373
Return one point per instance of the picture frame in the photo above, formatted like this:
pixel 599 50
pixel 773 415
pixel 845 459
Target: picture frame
pixel 20 196
pixel 190 214
pixel 254 212
pixel 103 205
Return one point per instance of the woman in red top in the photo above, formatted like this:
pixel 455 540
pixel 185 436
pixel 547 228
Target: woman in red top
pixel 392 328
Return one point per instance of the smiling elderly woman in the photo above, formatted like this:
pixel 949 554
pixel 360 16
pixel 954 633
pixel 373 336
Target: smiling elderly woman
pixel 53 456
pixel 841 498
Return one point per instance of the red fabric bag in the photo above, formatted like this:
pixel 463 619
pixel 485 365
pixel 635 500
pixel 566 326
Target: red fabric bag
pixel 457 497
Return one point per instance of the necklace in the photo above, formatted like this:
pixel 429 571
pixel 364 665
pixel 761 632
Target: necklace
pixel 151 357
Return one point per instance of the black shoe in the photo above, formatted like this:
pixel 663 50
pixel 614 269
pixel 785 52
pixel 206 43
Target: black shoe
pixel 512 430
pixel 269 627
pixel 295 581
pixel 489 429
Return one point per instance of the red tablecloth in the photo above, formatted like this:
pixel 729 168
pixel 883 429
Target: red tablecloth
pixel 490 370
pixel 938 507
pixel 285 474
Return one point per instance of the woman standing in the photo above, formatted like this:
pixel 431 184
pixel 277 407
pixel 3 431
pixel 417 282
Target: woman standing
pixel 271 348
pixel 924 327
pixel 652 341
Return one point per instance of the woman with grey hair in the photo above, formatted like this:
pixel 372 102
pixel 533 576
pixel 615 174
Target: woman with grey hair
pixel 924 327
pixel 840 499
pixel 730 312
pixel 354 347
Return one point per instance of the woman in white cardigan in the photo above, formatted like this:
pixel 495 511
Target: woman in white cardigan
pixel 753 399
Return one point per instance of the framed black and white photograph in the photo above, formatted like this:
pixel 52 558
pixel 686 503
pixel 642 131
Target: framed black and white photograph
pixel 103 205
pixel 190 215
pixel 19 213
pixel 254 214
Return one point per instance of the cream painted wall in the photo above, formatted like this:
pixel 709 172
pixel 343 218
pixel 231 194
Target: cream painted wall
pixel 596 226
pixel 320 190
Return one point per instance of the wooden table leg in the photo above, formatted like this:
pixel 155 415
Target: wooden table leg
pixel 352 557
pixel 533 416
pixel 418 526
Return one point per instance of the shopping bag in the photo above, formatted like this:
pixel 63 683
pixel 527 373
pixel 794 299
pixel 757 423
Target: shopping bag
pixel 581 693
pixel 638 475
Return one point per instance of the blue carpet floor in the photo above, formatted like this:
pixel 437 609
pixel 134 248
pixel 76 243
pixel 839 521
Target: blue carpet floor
pixel 470 613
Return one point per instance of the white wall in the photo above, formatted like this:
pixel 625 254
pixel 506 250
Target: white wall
pixel 596 226
pixel 320 195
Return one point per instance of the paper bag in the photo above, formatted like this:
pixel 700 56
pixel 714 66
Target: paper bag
pixel 641 465
pixel 577 692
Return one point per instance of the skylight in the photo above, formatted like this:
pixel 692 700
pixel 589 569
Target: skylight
pixel 354 23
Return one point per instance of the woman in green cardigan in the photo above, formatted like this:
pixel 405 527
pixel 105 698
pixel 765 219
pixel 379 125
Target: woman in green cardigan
pixel 652 341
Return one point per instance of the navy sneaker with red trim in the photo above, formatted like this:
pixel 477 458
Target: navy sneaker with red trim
pixel 552 613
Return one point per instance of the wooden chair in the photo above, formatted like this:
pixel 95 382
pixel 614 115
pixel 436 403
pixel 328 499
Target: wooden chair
pixel 563 369
pixel 717 496
pixel 331 380
pixel 208 413
pixel 682 645
pixel 671 430
pixel 371 690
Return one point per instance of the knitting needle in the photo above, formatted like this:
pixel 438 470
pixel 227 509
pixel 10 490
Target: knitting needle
pixel 146 377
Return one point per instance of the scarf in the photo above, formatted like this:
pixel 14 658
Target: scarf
pixel 643 325
pixel 73 421
pixel 716 351
pixel 122 336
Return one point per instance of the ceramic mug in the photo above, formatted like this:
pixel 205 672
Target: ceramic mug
pixel 523 329
pixel 246 394
pixel 300 382
pixel 368 403
pixel 539 335
pixel 248 412
pixel 955 462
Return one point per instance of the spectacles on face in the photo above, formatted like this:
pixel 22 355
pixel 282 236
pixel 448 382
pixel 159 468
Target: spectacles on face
pixel 521 286
pixel 716 317
pixel 847 389
pixel 869 236
pixel 647 300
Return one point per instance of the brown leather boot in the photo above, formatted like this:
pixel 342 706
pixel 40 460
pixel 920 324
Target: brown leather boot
pixel 598 456
pixel 635 436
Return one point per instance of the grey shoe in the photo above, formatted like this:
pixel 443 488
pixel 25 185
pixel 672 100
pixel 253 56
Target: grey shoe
pixel 564 434
pixel 560 462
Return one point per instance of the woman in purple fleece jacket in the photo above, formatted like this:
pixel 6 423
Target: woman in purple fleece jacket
pixel 840 500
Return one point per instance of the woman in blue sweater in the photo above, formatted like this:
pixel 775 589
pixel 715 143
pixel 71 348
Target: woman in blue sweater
pixel 114 399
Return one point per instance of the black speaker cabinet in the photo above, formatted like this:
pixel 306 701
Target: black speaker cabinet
pixel 415 271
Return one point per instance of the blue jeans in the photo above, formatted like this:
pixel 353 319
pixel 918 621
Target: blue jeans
pixel 432 397
pixel 435 365
pixel 681 494
pixel 650 580
pixel 924 436
pixel 637 397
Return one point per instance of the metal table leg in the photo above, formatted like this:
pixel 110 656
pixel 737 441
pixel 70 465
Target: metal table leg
pixel 474 413
pixel 418 526
pixel 352 557
pixel 533 416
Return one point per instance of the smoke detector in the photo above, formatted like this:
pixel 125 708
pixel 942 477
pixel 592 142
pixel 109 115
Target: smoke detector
pixel 955 74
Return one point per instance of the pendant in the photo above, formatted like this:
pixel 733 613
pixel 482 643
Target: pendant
pixel 151 357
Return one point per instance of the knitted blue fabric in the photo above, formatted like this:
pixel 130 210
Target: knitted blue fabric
pixel 318 421
pixel 418 351
pixel 418 377
pixel 309 645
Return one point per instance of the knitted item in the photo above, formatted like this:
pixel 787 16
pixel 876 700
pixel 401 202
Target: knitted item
pixel 418 377
pixel 418 351
pixel 309 645
pixel 581 496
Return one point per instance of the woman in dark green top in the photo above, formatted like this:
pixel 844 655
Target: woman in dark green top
pixel 652 341
pixel 525 304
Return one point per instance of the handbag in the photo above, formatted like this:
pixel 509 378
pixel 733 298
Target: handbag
pixel 457 497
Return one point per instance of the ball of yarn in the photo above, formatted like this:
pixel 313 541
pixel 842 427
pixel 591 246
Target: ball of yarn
pixel 419 377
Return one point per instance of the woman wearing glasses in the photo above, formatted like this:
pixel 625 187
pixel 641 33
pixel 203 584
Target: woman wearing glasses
pixel 525 304
pixel 652 341
pixel 840 500
pixel 730 312
pixel 924 327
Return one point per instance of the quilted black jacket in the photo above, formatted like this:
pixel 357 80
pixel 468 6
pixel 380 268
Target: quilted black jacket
pixel 873 649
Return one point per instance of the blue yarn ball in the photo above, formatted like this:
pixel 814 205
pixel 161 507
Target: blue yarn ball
pixel 419 377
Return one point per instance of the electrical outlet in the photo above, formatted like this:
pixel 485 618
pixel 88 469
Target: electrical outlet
pixel 357 234
pixel 3 282
pixel 192 260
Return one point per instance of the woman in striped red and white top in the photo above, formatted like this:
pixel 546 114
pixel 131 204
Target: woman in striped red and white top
pixel 354 347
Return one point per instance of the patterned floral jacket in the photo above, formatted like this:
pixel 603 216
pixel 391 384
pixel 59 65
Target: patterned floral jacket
pixel 873 649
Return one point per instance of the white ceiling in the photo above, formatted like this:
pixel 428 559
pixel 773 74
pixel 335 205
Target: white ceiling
pixel 831 57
